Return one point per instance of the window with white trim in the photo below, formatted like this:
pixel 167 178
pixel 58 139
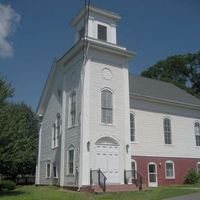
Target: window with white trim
pixel 167 131
pixel 197 133
pixel 132 127
pixel 102 32
pixel 198 167
pixel 169 170
pixel 56 131
pixel 106 107
pixel 54 136
pixel 55 173
pixel 134 168
pixel 72 109
pixel 48 169
pixel 71 161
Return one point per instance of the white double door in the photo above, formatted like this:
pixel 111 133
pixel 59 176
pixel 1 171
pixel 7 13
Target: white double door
pixel 107 159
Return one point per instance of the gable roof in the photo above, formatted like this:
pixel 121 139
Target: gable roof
pixel 160 90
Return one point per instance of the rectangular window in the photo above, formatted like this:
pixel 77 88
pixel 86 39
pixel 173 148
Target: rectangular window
pixel 198 167
pixel 54 137
pixel 48 170
pixel 72 109
pixel 54 171
pixel 197 133
pixel 71 162
pixel 169 170
pixel 167 131
pixel 106 107
pixel 132 127
pixel 102 32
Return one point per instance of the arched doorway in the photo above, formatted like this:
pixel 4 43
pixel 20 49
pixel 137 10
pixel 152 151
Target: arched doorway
pixel 107 158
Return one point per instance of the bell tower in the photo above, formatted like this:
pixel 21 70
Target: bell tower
pixel 105 112
pixel 101 25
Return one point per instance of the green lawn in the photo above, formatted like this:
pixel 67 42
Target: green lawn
pixel 54 193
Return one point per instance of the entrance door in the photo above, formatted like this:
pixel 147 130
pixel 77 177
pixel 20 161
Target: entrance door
pixel 107 159
pixel 152 175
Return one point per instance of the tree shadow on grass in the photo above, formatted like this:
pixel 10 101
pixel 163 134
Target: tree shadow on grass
pixel 10 193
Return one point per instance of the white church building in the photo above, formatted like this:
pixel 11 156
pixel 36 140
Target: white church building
pixel 102 126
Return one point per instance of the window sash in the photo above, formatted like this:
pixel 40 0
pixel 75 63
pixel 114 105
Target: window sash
pixel 197 133
pixel 169 170
pixel 106 107
pixel 132 127
pixel 102 32
pixel 73 109
pixel 54 171
pixel 48 170
pixel 71 161
pixel 167 131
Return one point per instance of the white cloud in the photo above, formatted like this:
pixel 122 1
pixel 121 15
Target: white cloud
pixel 9 20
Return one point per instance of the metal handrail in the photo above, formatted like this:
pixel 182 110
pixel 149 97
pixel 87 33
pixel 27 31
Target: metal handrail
pixel 98 177
pixel 134 176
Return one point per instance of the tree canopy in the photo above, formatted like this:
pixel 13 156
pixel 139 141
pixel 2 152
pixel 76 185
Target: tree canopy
pixel 181 70
pixel 18 135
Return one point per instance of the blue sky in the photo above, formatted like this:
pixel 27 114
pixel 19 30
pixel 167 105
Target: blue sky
pixel 153 29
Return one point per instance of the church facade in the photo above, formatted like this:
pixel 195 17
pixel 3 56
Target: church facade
pixel 99 120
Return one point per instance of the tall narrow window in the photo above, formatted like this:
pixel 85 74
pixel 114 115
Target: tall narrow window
pixel 167 131
pixel 169 170
pixel 71 161
pixel 198 167
pixel 197 133
pixel 132 127
pixel 48 169
pixel 58 124
pixel 102 32
pixel 54 136
pixel 134 169
pixel 55 173
pixel 106 107
pixel 72 109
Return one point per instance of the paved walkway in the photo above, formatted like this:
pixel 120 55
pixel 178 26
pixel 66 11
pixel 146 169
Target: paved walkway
pixel 194 196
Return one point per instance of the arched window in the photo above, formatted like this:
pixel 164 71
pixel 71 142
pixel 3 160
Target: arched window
pixel 198 167
pixel 167 131
pixel 169 170
pixel 106 107
pixel 197 133
pixel 132 127
pixel 71 161
pixel 72 109
pixel 48 169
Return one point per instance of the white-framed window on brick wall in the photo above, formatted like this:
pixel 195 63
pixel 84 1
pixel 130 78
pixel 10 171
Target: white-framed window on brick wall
pixel 197 133
pixel 72 110
pixel 169 169
pixel 106 107
pixel 132 127
pixel 198 167
pixel 167 131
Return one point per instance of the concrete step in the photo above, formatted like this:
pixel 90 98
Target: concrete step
pixel 116 188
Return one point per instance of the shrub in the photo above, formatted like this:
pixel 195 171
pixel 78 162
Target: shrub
pixel 192 177
pixel 7 185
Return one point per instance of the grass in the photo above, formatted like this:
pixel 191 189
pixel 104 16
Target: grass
pixel 54 193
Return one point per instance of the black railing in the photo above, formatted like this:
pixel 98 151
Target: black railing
pixel 97 177
pixel 132 176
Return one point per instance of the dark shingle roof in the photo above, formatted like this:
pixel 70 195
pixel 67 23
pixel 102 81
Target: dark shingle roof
pixel 159 89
